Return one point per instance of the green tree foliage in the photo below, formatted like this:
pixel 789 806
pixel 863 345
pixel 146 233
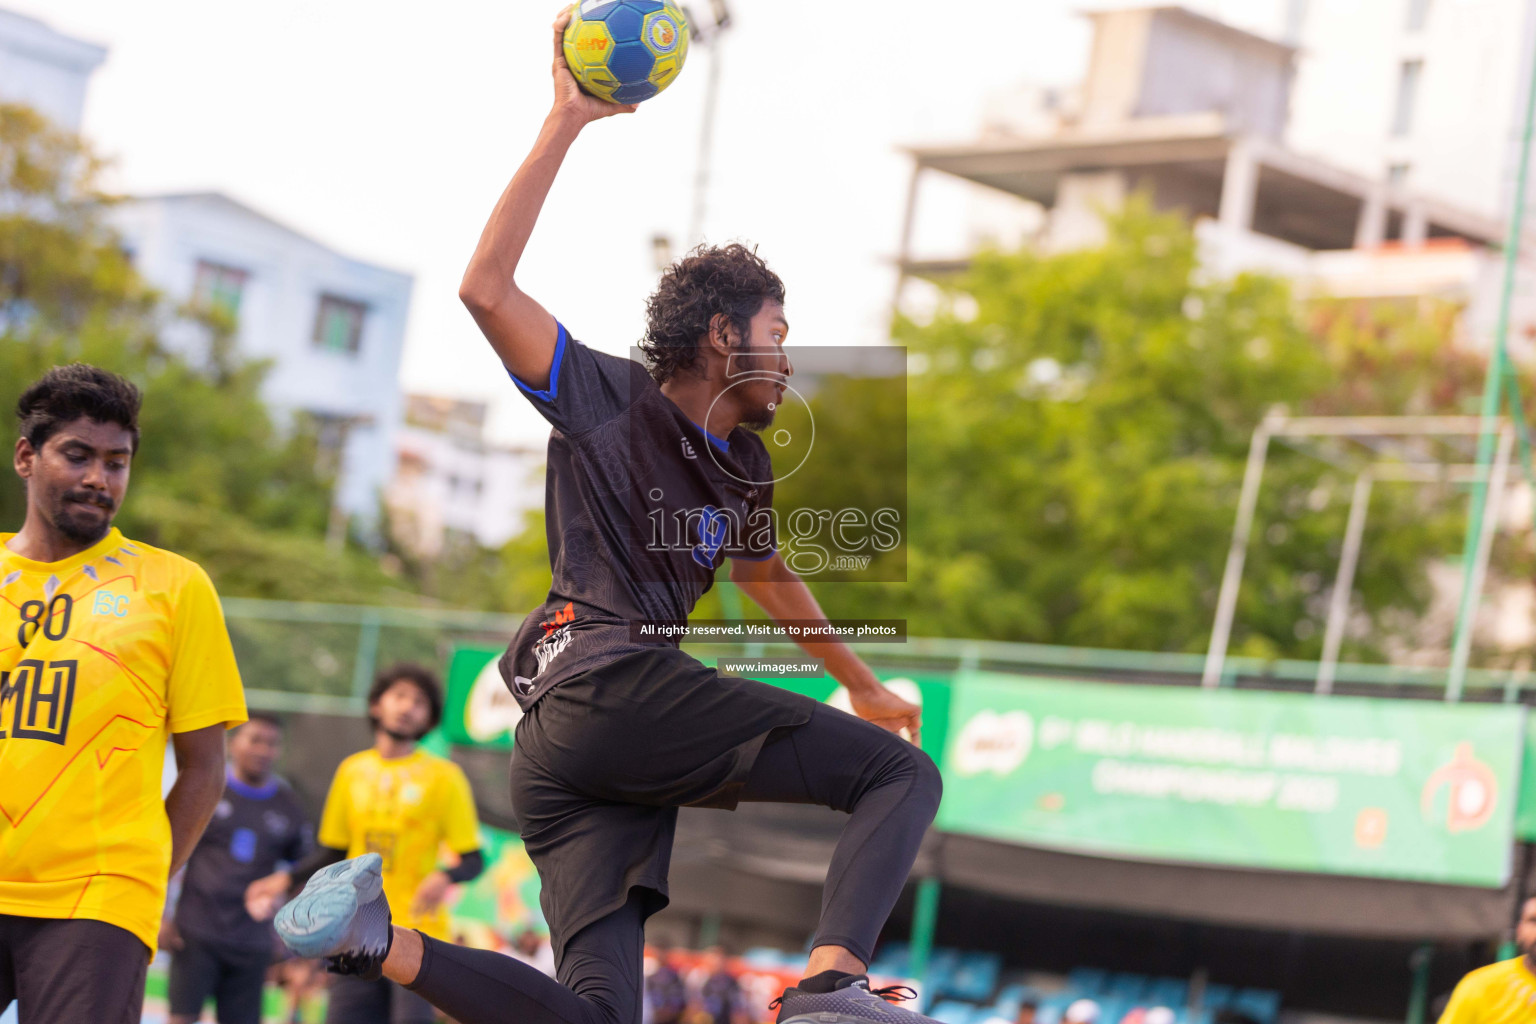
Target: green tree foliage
pixel 1079 425
pixel 215 478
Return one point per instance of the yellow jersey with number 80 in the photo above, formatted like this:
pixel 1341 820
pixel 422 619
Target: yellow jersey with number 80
pixel 102 657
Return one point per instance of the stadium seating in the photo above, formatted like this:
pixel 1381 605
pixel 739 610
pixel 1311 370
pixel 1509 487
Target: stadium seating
pixel 1171 992
pixel 1087 979
pixel 768 957
pixel 1262 1005
pixel 892 958
pixel 952 1011
pixel 968 987
pixel 1218 996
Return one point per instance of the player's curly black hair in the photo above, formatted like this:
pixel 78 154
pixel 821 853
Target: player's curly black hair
pixel 424 680
pixel 710 280
pixel 79 390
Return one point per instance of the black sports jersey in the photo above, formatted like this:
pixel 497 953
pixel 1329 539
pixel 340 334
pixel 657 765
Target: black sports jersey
pixel 253 829
pixel 642 506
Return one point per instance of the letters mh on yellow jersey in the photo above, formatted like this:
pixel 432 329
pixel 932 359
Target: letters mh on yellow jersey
pixel 102 657
pixel 405 810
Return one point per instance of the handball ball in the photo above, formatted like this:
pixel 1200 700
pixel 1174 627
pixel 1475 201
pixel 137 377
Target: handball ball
pixel 626 51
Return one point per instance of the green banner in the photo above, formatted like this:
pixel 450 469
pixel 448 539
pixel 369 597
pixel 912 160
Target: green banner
pixel 480 710
pixel 1388 788
pixel 506 895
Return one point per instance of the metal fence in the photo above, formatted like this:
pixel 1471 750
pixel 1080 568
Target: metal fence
pixel 321 658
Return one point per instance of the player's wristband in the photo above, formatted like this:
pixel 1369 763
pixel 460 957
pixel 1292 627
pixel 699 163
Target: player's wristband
pixel 469 867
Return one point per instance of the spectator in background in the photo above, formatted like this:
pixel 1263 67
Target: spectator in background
pixel 665 992
pixel 1149 1015
pixel 1028 1010
pixel 719 995
pixel 303 985
pixel 1083 1011
pixel 533 949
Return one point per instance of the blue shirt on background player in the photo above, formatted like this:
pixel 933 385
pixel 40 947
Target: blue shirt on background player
pixel 219 950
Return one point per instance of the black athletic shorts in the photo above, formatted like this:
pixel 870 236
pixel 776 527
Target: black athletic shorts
pixel 232 977
pixel 603 760
pixel 71 971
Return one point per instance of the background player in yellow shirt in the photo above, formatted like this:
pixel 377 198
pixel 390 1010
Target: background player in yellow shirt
pixel 108 650
pixel 404 804
pixel 1501 993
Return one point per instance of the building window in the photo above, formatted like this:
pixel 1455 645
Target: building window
pixel 1418 14
pixel 1407 90
pixel 218 288
pixel 1397 175
pixel 339 324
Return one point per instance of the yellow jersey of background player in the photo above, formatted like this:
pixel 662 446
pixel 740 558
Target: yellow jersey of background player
pixel 108 650
pixel 406 805
pixel 1501 993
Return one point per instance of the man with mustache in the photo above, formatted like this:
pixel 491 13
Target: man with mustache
pixel 109 650
pixel 655 479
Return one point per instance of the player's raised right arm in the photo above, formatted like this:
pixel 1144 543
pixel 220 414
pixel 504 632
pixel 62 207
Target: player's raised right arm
pixel 520 330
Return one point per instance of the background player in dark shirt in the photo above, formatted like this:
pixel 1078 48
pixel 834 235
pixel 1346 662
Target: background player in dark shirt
pixel 619 731
pixel 219 950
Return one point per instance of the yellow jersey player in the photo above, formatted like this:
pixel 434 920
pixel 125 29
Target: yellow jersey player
pixel 404 804
pixel 109 649
pixel 1501 993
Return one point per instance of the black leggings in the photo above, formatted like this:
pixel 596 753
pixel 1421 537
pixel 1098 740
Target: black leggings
pixel 891 790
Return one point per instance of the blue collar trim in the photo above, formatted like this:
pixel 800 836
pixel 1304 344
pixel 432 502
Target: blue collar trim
pixel 718 442
pixel 263 792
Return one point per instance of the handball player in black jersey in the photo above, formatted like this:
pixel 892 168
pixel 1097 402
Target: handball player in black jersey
pixel 655 478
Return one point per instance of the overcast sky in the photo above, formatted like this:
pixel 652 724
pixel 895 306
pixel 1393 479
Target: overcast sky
pixel 388 129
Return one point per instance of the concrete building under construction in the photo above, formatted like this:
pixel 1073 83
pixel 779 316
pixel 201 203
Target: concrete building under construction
pixel 1202 117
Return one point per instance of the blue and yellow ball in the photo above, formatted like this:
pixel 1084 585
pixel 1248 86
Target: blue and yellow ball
pixel 626 51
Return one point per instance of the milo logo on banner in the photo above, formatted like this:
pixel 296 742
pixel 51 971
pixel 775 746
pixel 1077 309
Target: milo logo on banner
pixel 481 711
pixel 992 742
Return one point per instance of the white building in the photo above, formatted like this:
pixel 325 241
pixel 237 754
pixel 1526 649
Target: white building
pixel 450 482
pixel 332 326
pixel 1426 94
pixel 45 69
pixel 1366 156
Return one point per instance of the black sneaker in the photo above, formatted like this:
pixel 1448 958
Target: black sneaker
pixel 851 1002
